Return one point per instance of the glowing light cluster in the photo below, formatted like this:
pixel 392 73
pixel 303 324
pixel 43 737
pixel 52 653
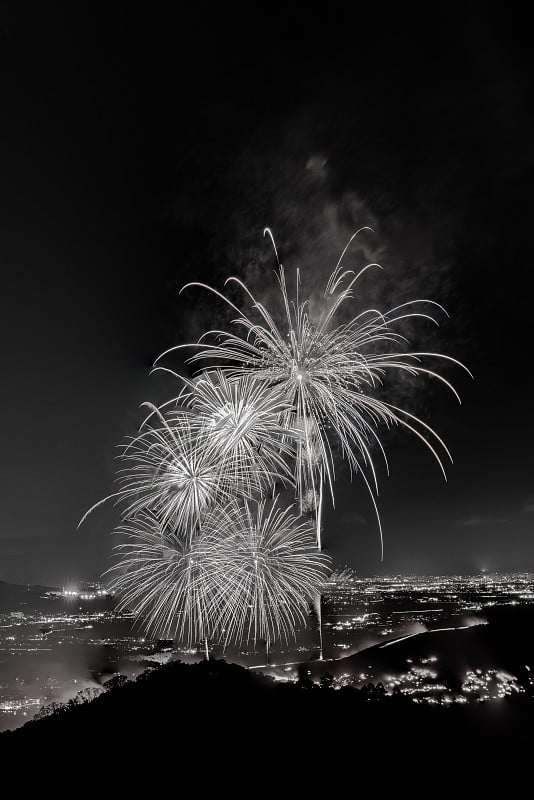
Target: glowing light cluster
pixel 490 684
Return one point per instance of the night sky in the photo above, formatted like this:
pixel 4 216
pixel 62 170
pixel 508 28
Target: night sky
pixel 140 151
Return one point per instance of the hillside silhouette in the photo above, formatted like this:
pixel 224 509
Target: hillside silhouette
pixel 502 641
pixel 210 712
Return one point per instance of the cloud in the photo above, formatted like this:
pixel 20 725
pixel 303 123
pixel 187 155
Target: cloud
pixel 472 522
pixel 353 518
pixel 479 521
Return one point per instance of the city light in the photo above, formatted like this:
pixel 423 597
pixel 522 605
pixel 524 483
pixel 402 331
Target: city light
pixel 361 615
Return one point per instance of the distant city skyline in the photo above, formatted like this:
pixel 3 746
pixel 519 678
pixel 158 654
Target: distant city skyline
pixel 401 632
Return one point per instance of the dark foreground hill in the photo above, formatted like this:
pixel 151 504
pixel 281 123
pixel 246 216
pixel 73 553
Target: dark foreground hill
pixel 211 715
pixel 502 640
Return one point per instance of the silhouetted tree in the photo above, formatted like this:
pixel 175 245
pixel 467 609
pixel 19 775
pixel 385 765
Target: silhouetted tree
pixel 115 682
pixel 327 681
pixel 304 681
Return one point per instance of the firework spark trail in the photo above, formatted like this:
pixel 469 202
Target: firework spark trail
pixel 272 568
pixel 172 470
pixel 249 574
pixel 330 373
pixel 242 422
pixel 166 580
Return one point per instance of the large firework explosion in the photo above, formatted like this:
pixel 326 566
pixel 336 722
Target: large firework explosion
pixel 330 372
pixel 205 554
pixel 202 558
pixel 249 574
pixel 172 469
pixel 240 423
pixel 166 580
pixel 272 569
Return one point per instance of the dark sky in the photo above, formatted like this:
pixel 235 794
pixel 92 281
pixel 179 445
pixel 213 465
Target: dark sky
pixel 140 150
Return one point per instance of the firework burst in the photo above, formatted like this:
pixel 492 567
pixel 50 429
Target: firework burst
pixel 249 574
pixel 205 555
pixel 168 582
pixel 172 470
pixel 240 422
pixel 330 372
pixel 273 571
